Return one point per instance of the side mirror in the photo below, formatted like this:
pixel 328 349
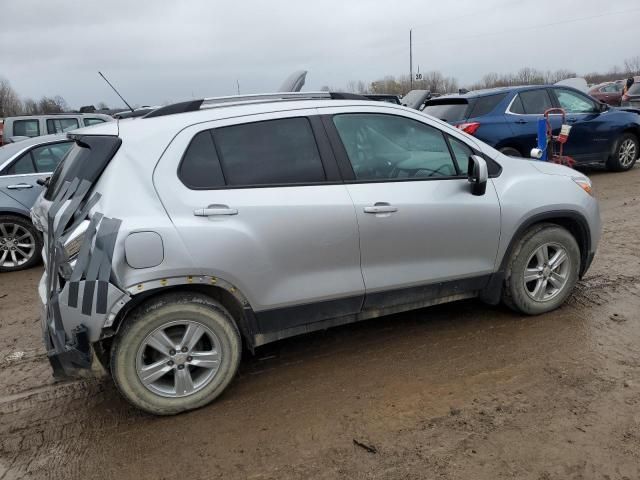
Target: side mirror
pixel 478 174
pixel 603 107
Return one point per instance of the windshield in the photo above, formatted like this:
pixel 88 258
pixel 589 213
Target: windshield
pixel 449 112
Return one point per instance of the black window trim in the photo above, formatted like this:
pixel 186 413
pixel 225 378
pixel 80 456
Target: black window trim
pixel 348 175
pixel 325 152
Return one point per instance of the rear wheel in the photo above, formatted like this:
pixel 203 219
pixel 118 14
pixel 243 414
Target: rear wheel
pixel 20 243
pixel 542 271
pixel 624 154
pixel 175 354
pixel 510 152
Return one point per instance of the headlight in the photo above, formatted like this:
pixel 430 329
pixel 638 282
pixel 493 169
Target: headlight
pixel 76 239
pixel 584 183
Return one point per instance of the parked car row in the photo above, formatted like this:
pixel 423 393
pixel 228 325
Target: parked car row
pixel 507 118
pixel 29 126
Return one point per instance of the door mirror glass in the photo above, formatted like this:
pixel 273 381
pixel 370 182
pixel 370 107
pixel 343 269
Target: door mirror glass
pixel 478 174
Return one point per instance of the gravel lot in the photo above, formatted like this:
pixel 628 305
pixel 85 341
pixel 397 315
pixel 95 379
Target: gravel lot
pixel 463 391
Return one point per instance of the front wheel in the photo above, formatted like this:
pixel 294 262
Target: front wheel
pixel 543 270
pixel 624 154
pixel 177 353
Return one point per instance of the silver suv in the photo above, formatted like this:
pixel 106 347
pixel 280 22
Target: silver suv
pixel 173 240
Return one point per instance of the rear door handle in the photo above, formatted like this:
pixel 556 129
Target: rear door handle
pixel 381 207
pixel 521 121
pixel 19 186
pixel 214 210
pixel 572 120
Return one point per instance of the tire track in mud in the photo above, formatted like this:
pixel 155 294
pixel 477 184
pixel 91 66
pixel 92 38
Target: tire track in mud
pixel 48 427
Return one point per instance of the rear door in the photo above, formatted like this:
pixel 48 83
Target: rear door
pixel 19 179
pixel 526 108
pixel 589 139
pixel 422 233
pixel 260 204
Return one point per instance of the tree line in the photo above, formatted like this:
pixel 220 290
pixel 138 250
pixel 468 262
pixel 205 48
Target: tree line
pixel 435 81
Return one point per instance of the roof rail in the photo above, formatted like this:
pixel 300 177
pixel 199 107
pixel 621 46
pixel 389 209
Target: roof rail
pixel 215 102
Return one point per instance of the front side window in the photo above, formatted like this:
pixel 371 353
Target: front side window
pixel 47 157
pixel 60 125
pixel 573 102
pixel 26 128
pixel 272 152
pixel 535 102
pixel 389 147
pixel 92 121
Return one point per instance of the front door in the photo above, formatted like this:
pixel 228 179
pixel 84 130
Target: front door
pixel 422 233
pixel 259 205
pixel 588 139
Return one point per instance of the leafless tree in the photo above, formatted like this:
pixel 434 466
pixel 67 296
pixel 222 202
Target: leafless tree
pixel 10 103
pixel 632 66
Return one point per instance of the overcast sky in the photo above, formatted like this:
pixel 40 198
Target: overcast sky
pixel 156 51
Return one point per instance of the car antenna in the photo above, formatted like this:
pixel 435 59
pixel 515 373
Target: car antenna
pixel 114 89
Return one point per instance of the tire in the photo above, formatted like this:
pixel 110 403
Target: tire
pixel 526 297
pixel 172 314
pixel 625 153
pixel 511 152
pixel 15 234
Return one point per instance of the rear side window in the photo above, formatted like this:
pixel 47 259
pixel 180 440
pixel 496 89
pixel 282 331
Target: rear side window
pixel 26 128
pixel 534 102
pixel 448 112
pixel 60 125
pixel 92 121
pixel 200 168
pixel 485 105
pixel 271 152
pixel 22 166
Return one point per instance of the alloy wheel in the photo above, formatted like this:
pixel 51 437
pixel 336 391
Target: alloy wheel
pixel 17 245
pixel 547 272
pixel 178 359
pixel 627 152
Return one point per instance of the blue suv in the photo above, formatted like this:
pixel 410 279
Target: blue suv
pixel 506 118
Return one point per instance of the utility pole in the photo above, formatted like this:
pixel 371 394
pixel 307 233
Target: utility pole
pixel 411 58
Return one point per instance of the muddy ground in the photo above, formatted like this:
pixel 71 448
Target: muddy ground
pixel 463 391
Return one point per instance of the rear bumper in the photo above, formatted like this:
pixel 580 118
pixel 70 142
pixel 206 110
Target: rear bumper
pixel 74 352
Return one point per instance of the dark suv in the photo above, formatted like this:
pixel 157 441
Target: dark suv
pixel 506 118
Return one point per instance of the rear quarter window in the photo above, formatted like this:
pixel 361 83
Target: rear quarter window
pixel 200 167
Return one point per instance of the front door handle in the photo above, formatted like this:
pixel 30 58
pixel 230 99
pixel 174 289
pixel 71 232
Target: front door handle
pixel 521 121
pixel 381 207
pixel 19 186
pixel 572 120
pixel 214 210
